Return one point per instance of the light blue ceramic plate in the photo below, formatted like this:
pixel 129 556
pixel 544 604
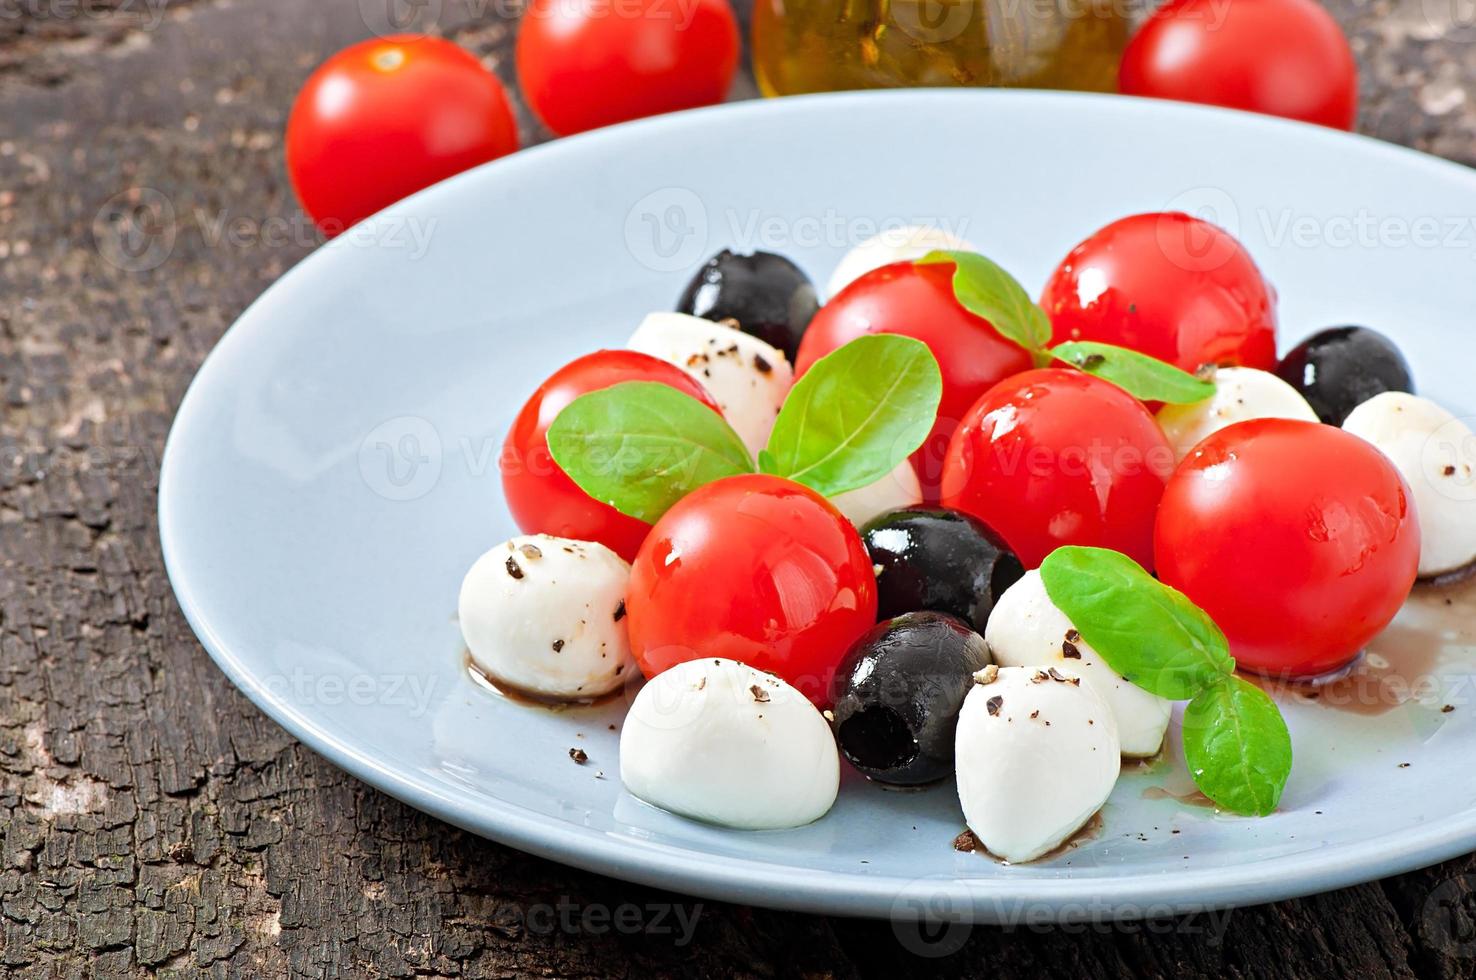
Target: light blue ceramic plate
pixel 333 471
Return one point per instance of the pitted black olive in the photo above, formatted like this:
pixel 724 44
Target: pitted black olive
pixel 1340 368
pixel 766 294
pixel 941 560
pixel 898 693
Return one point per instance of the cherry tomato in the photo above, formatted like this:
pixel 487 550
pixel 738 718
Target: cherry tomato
pixel 756 569
pixel 1299 539
pixel 917 301
pixel 1172 286
pixel 540 495
pixel 1055 457
pixel 1282 57
pixel 384 118
pixel 583 64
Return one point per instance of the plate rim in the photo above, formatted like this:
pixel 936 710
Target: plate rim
pixel 992 899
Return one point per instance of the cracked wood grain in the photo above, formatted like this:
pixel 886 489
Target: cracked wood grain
pixel 153 822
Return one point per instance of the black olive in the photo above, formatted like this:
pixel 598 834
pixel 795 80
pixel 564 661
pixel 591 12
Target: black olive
pixel 1340 368
pixel 766 294
pixel 898 693
pixel 941 560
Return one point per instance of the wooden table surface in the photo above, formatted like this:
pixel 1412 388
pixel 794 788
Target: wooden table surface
pixel 152 818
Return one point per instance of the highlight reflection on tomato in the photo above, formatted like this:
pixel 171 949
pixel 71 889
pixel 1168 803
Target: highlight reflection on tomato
pixel 757 569
pixel 1281 57
pixel 540 495
pixel 1169 285
pixel 1055 457
pixel 1299 539
pixel 385 118
pixel 917 301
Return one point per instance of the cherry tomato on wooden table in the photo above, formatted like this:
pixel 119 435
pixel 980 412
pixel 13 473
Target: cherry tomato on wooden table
pixel 1168 285
pixel 385 118
pixel 1282 57
pixel 541 496
pixel 1299 539
pixel 917 301
pixel 1055 457
pixel 757 569
pixel 589 63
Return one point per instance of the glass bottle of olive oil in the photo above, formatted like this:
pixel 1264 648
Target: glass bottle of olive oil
pixel 827 45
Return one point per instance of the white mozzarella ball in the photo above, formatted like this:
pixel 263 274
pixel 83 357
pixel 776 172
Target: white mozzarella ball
pixel 1436 453
pixel 546 616
pixel 894 245
pixel 1037 755
pixel 899 488
pixel 745 376
pixel 1025 629
pixel 721 742
pixel 1240 394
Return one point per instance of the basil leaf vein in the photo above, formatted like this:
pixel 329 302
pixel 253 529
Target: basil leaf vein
pixel 1237 746
pixel 1149 633
pixel 1143 377
pixel 986 290
pixel 641 446
pixel 856 414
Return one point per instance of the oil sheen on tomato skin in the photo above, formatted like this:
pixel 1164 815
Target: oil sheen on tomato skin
pixel 1300 540
pixel 1057 457
pixel 1168 285
pixel 917 301
pixel 757 569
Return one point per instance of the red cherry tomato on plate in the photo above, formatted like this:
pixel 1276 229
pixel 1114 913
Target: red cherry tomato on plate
pixel 1282 57
pixel 540 495
pixel 1055 457
pixel 917 301
pixel 583 64
pixel 1169 285
pixel 1299 539
pixel 756 569
pixel 384 118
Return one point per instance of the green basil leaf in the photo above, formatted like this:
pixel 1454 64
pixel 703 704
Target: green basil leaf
pixel 986 290
pixel 1237 746
pixel 1141 376
pixel 641 446
pixel 1149 633
pixel 855 414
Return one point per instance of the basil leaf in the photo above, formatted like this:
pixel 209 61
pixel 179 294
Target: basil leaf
pixel 855 414
pixel 1149 633
pixel 1141 376
pixel 986 290
pixel 641 446
pixel 1237 746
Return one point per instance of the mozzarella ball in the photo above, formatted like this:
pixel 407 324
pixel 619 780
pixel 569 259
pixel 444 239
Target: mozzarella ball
pixel 1436 453
pixel 1037 755
pixel 1027 630
pixel 546 616
pixel 899 488
pixel 745 376
pixel 893 245
pixel 1240 394
pixel 718 741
